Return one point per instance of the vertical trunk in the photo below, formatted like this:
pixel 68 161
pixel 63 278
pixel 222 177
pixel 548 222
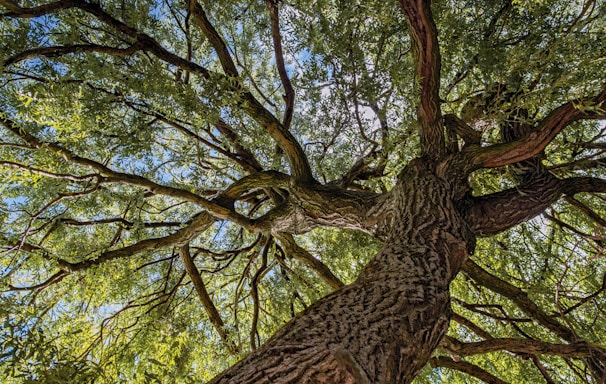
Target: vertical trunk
pixel 383 327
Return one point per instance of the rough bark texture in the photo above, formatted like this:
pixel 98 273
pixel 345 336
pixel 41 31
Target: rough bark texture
pixel 383 327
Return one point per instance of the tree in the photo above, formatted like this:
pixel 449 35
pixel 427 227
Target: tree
pixel 388 184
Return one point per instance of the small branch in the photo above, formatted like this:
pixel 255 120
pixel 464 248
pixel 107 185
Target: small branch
pixel 217 210
pixel 199 224
pixel 289 92
pixel 54 279
pixel 254 291
pixel 472 326
pixel 294 250
pixel 520 298
pixel 24 12
pixel 48 174
pixel 465 367
pixel 587 211
pixel 207 303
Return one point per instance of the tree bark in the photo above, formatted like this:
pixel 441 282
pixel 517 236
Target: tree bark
pixel 383 327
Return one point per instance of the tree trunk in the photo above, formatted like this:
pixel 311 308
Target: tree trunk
pixel 383 327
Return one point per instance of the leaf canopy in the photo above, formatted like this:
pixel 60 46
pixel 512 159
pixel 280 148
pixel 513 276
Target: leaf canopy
pixel 124 123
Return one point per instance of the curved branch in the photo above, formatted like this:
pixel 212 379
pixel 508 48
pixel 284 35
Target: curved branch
pixel 48 174
pixel 24 12
pixel 249 104
pixel 424 36
pixel 520 298
pixel 55 51
pixel 278 131
pixel 214 38
pixel 494 213
pixel 531 145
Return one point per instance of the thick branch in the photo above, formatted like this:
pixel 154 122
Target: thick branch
pixel 424 36
pixel 491 214
pixel 532 144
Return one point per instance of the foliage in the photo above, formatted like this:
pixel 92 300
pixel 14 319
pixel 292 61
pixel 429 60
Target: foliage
pixel 122 124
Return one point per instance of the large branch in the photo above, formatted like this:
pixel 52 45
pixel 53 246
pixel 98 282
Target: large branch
pixel 494 213
pixel 532 144
pixel 424 36
pixel 311 206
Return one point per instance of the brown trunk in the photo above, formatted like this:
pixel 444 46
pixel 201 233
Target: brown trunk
pixel 383 327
